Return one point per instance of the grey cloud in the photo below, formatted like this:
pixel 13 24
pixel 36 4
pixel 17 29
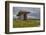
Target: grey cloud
pixel 34 12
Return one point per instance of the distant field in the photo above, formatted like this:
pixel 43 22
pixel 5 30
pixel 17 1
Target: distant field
pixel 26 23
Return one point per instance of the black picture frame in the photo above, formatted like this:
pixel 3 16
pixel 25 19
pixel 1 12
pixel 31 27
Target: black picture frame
pixel 7 16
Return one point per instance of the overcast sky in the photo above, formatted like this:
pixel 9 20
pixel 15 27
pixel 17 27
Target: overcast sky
pixel 34 12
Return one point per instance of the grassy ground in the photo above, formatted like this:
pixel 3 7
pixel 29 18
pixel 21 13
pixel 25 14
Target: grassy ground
pixel 26 23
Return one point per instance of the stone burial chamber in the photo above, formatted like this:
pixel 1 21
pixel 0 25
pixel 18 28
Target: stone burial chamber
pixel 22 14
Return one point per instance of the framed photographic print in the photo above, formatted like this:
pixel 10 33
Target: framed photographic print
pixel 24 17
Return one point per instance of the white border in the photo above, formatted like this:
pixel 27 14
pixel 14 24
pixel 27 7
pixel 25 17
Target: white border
pixel 11 29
